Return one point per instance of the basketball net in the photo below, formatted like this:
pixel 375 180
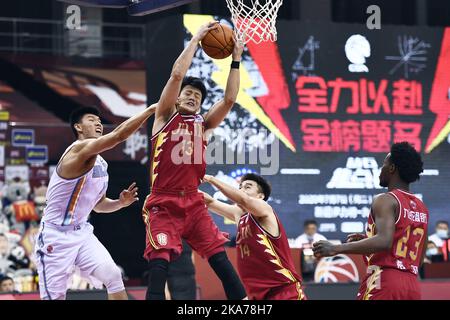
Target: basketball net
pixel 255 20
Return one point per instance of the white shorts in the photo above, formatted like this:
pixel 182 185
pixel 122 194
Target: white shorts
pixel 59 249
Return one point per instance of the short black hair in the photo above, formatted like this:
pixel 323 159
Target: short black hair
pixel 263 186
pixel 407 160
pixel 77 114
pixel 308 222
pixel 196 83
pixel 442 221
pixel 5 278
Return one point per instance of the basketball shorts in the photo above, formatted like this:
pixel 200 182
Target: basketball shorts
pixel 389 284
pixel 58 250
pixel 293 291
pixel 170 217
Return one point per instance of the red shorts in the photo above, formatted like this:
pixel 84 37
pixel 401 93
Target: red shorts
pixel 389 284
pixel 170 217
pixel 292 291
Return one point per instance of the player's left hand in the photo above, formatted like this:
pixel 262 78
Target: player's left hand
pixel 204 29
pixel 128 196
pixel 324 249
pixel 238 48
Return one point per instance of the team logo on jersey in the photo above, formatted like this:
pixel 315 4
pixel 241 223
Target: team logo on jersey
pixel 339 268
pixel 413 205
pixel 162 238
pixel 50 249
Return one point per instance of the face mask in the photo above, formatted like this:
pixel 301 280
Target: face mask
pixel 432 251
pixel 441 233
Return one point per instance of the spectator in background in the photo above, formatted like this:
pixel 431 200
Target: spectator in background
pixel 305 241
pixel 433 253
pixel 441 234
pixel 309 236
pixel 7 285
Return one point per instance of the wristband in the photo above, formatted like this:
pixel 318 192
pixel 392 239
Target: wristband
pixel 235 64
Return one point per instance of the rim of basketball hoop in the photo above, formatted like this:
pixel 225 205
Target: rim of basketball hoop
pixel 257 22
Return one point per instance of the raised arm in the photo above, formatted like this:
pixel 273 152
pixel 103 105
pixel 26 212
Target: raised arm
pixel 231 212
pixel 256 207
pixel 92 147
pixel 221 108
pixel 384 209
pixel 169 96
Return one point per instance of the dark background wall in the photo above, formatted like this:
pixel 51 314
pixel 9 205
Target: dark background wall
pixel 123 232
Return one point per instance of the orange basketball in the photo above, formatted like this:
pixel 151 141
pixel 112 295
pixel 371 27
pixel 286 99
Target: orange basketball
pixel 218 43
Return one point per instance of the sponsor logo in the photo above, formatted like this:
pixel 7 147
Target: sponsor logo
pixel 25 211
pixel 22 137
pixel 50 249
pixel 36 154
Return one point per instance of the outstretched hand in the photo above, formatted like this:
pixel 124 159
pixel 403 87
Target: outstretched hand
pixel 204 29
pixel 239 45
pixel 129 196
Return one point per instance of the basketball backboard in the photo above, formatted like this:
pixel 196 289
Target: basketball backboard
pixel 135 7
pixel 100 3
pixel 143 7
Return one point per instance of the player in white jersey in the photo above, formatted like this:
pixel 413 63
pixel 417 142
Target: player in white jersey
pixel 78 186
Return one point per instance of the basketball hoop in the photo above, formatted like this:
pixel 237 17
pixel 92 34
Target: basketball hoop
pixel 254 19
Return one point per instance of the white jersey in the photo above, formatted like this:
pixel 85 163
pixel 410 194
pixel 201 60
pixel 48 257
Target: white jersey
pixel 70 201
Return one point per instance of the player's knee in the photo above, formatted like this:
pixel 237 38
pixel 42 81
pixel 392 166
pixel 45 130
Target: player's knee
pixel 218 258
pixel 114 273
pixel 222 266
pixel 111 276
pixel 158 267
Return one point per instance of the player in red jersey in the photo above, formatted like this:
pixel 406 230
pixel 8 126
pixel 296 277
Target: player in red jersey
pixel 394 244
pixel 265 263
pixel 175 209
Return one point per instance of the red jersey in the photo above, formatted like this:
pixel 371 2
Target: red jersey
pixel 264 262
pixel 178 153
pixel 408 242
